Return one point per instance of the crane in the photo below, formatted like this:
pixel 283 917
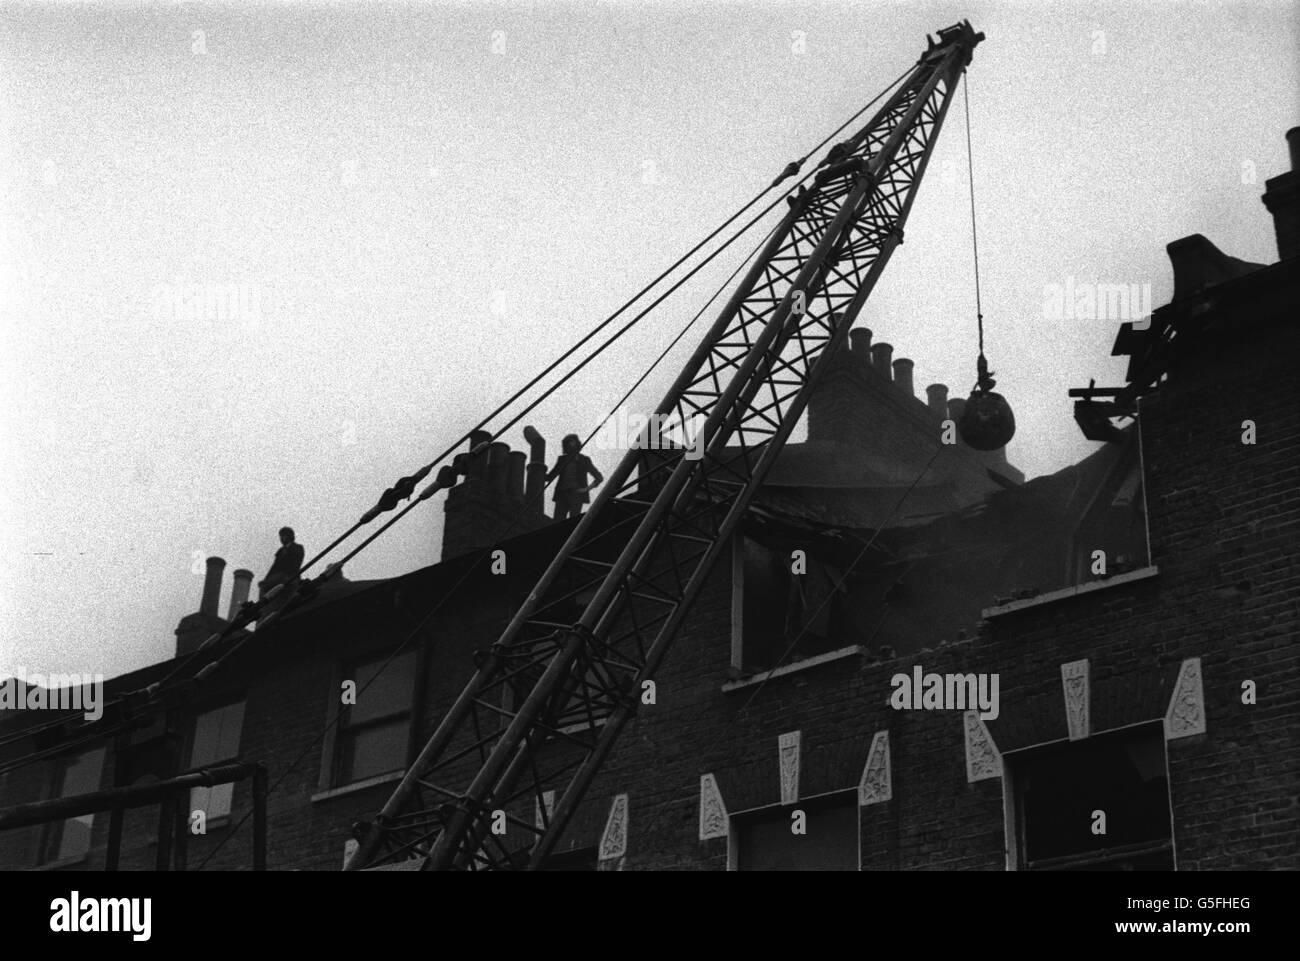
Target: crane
pixel 548 700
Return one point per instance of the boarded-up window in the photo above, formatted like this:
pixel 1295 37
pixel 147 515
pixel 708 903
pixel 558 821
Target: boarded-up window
pixel 765 840
pixel 1060 791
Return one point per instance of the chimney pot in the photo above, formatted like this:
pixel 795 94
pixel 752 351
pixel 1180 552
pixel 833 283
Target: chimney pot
pixel 936 396
pixel 956 407
pixel 212 587
pixel 498 466
pixel 241 585
pixel 880 358
pixel 860 342
pixel 1293 143
pixel 490 506
pixel 536 446
pixel 903 376
pixel 515 474
pixel 535 485
pixel 478 462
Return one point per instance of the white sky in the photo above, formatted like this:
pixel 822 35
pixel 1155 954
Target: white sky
pixel 431 201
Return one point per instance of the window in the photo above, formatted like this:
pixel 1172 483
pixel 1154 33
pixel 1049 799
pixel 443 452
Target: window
pixel 374 733
pixel 764 840
pixel 215 739
pixel 779 613
pixel 1115 523
pixel 1058 790
pixel 70 839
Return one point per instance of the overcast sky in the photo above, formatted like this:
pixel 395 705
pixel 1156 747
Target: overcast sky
pixel 426 203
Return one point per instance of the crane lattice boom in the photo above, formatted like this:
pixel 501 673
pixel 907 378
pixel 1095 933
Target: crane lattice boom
pixel 547 701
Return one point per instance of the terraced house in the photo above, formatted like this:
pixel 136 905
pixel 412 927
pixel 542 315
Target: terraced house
pixel 1138 609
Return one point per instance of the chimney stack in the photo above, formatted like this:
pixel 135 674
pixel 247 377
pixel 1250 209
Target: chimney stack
pixel 196 628
pixel 489 507
pixel 860 343
pixel 903 376
pixel 212 587
pixel 868 400
pixel 936 396
pixel 880 357
pixel 1282 198
pixel 242 584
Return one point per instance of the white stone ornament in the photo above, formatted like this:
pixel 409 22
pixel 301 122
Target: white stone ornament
pixel 713 812
pixel 1186 713
pixel 876 785
pixel 1074 679
pixel 613 841
pixel 787 746
pixel 983 759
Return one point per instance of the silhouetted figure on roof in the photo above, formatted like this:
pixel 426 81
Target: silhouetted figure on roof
pixel 287 563
pixel 573 468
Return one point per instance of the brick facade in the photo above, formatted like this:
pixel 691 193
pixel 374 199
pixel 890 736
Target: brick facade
pixel 1217 596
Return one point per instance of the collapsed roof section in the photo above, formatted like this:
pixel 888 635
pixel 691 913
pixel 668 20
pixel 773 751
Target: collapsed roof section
pixel 1215 296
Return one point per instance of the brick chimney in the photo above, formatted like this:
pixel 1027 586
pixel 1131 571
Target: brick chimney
pixel 903 376
pixel 499 498
pixel 880 358
pixel 212 586
pixel 195 628
pixel 936 397
pixel 866 399
pixel 1282 198
pixel 860 343
pixel 241 584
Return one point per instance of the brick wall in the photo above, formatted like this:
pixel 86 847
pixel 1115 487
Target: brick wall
pixel 1225 525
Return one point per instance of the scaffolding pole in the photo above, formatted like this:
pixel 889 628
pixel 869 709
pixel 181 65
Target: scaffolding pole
pixel 167 794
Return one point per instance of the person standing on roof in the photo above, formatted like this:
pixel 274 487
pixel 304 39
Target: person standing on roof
pixel 573 467
pixel 287 563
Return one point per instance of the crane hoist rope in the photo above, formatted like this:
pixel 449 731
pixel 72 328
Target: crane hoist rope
pixel 986 422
